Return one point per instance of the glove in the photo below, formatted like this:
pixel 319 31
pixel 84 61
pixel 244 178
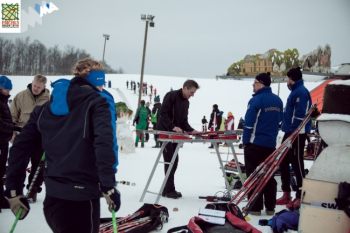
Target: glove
pixel 16 202
pixel 112 196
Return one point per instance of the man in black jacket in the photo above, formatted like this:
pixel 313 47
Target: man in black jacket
pixel 77 129
pixel 6 130
pixel 155 117
pixel 173 117
pixel 215 114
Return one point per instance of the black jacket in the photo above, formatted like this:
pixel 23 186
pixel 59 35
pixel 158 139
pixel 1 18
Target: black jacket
pixel 204 121
pixel 6 125
pixel 218 118
pixel 156 107
pixel 174 112
pixel 77 129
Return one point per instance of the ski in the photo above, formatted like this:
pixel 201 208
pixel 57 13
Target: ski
pixel 105 226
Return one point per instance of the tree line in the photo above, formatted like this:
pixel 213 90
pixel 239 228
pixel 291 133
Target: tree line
pixel 22 57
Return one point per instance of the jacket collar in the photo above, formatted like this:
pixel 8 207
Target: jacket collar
pixel 263 90
pixel 298 83
pixel 180 94
pixel 4 97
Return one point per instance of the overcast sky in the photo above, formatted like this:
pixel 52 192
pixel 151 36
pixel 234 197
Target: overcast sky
pixel 193 38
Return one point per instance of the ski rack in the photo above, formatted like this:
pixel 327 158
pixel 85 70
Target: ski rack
pixel 180 138
pixel 262 174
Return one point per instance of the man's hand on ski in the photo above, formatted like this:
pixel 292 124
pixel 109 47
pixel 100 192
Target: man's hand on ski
pixel 112 196
pixel 17 202
pixel 178 129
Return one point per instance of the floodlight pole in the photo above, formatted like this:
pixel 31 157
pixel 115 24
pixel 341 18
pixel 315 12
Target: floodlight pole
pixel 104 48
pixel 143 63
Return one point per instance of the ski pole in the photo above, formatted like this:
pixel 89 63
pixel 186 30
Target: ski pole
pixel 114 222
pixel 29 191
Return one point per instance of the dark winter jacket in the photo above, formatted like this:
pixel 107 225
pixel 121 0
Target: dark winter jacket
pixel 241 124
pixel 156 107
pixel 204 121
pixel 264 113
pixel 298 104
pixel 6 125
pixel 215 112
pixel 77 130
pixel 173 112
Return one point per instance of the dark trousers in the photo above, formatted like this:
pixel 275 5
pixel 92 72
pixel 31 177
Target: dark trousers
pixel 65 216
pixel 253 156
pixel 168 155
pixel 4 149
pixel 35 160
pixel 295 156
pixel 156 136
pixel 147 134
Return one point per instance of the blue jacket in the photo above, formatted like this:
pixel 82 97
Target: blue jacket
pixel 264 113
pixel 77 129
pixel 298 103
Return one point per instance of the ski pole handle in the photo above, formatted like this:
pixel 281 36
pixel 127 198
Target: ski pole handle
pixel 114 222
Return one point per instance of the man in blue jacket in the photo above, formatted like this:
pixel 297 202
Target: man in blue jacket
pixel 298 104
pixel 77 129
pixel 262 119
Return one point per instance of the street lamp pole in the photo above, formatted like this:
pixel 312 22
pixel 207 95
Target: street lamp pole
pixel 149 18
pixel 104 48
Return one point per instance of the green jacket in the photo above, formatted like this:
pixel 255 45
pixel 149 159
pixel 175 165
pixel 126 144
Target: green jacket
pixel 141 115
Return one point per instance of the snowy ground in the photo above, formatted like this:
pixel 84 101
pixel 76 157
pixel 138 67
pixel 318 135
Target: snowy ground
pixel 198 172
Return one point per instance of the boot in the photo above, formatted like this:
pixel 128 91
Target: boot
pixel 285 199
pixel 142 145
pixel 157 145
pixel 136 144
pixel 211 146
pixel 294 205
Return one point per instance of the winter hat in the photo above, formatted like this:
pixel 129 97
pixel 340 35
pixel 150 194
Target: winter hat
pixel 156 99
pixel 295 74
pixel 221 112
pixel 264 79
pixel 215 106
pixel 147 104
pixel 142 102
pixel 229 114
pixel 5 83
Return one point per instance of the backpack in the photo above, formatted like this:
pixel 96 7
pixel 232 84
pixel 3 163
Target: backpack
pixel 154 117
pixel 234 223
pixel 282 221
pixel 148 218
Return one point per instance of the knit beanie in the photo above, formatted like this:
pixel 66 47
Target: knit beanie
pixel 147 104
pixel 5 83
pixel 264 78
pixel 295 74
pixel 156 99
pixel 215 106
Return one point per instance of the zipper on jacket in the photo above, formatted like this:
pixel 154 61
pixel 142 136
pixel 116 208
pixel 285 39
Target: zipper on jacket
pixel 85 118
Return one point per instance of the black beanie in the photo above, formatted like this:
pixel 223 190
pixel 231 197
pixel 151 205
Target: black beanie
pixel 264 79
pixel 295 74
pixel 215 106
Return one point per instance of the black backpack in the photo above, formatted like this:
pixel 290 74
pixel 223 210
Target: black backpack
pixel 148 218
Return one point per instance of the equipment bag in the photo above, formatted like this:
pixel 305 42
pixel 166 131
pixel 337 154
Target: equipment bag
pixel 282 221
pixel 154 117
pixel 148 218
pixel 234 223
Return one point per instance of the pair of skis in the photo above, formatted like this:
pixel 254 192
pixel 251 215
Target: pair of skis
pixel 262 174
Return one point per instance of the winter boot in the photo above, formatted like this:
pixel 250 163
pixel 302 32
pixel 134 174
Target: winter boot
pixel 211 146
pixel 136 144
pixel 294 205
pixel 157 145
pixel 285 199
pixel 142 145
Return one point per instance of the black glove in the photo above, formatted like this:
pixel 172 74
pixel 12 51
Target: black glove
pixel 112 196
pixel 17 202
pixel 18 129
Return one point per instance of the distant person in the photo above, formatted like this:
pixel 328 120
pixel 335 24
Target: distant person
pixel 171 88
pixel 230 122
pixel 215 120
pixel 155 118
pixel 155 92
pixel 127 84
pixel 264 113
pixel 6 131
pixel 146 89
pixel 134 88
pixel 204 124
pixel 148 119
pixel 173 117
pixel 222 125
pixel 298 104
pixel 138 85
pixel 241 123
pixel 141 123
pixel 36 94
pixel 77 129
pixel 151 87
